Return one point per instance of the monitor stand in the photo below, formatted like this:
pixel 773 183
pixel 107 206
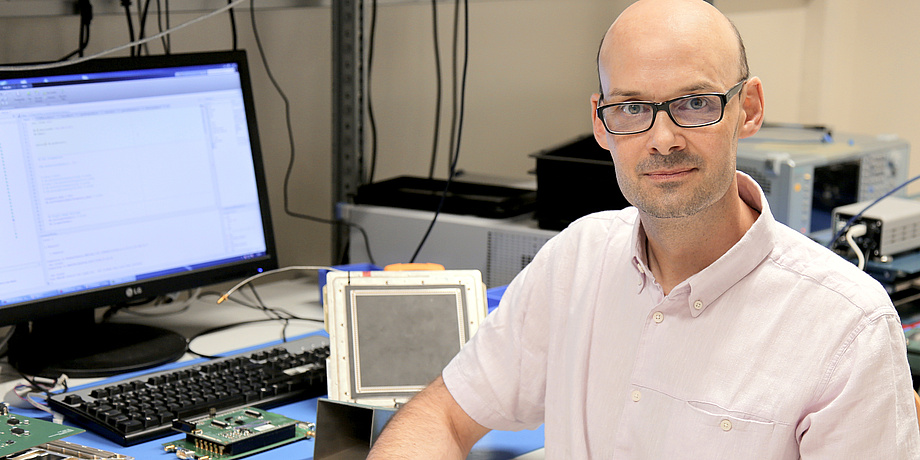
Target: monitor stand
pixel 76 345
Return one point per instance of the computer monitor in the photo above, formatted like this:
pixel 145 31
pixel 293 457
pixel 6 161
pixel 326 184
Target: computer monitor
pixel 123 178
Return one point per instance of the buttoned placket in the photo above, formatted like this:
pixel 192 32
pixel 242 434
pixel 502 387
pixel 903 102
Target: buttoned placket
pixel 661 307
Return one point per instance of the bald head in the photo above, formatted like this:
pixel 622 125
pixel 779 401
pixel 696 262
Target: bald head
pixel 657 30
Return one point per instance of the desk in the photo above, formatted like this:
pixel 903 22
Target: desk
pixel 300 297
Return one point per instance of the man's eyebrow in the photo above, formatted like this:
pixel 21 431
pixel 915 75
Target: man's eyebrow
pixel 620 93
pixel 699 87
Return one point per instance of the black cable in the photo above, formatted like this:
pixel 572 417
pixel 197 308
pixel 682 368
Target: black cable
pixel 466 57
pixel 160 13
pixel 437 66
pixel 39 387
pixel 127 5
pixel 142 21
pixel 290 134
pixel 278 311
pixel 258 305
pixel 459 131
pixel 453 82
pixel 188 346
pixel 255 294
pixel 274 313
pixel 84 31
pixel 287 117
pixel 261 304
pixel 85 9
pixel 367 241
pixel 233 26
pixel 372 122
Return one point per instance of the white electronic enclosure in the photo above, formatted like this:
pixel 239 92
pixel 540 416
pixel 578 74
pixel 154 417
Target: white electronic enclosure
pixel 392 332
pixel 892 226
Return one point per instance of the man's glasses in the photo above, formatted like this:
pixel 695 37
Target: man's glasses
pixel 691 111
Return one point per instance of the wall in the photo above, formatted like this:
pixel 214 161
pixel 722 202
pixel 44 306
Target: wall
pixel 531 71
pixel 865 79
pixel 777 58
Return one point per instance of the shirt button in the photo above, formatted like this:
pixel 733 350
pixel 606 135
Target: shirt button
pixel 636 395
pixel 658 317
pixel 698 304
pixel 641 268
pixel 726 425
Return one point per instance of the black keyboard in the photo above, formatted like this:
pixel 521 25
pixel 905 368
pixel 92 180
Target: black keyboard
pixel 142 408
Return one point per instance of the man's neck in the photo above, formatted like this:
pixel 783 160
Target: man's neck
pixel 678 248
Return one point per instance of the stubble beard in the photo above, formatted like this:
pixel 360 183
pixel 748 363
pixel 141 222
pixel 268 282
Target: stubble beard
pixel 675 200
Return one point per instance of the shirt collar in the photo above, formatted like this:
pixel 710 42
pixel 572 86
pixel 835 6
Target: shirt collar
pixel 710 283
pixel 638 245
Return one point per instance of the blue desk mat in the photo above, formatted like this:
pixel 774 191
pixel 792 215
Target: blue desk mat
pixel 497 445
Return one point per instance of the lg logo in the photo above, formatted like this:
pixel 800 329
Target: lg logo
pixel 133 291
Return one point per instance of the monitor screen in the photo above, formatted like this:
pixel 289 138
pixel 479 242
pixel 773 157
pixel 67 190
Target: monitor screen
pixel 128 177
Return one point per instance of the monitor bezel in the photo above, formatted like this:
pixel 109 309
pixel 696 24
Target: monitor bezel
pixel 49 307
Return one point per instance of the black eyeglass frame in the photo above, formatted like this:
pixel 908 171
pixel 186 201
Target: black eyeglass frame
pixel 665 107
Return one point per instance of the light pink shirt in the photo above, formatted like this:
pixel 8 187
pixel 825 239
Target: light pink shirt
pixel 778 350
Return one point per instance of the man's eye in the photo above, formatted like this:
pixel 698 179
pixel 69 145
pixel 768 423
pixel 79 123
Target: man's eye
pixel 633 109
pixel 696 103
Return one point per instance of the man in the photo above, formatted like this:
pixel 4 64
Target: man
pixel 692 325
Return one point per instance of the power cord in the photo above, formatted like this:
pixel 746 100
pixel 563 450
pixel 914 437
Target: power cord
pixel 372 122
pixel 437 106
pixel 853 232
pixel 224 327
pixel 39 386
pixel 273 313
pixel 142 20
pixel 459 128
pixel 126 4
pixel 233 27
pixel 454 115
pixel 85 9
pixel 160 13
pixel 293 156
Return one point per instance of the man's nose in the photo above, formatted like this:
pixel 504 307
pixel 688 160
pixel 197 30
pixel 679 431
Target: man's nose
pixel 664 136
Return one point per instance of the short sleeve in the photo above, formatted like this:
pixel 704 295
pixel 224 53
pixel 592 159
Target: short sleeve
pixel 866 409
pixel 499 377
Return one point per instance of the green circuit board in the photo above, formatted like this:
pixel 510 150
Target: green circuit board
pixel 18 433
pixel 236 434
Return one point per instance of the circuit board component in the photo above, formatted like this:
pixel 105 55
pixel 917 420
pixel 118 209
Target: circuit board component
pixel 63 450
pixel 18 433
pixel 236 434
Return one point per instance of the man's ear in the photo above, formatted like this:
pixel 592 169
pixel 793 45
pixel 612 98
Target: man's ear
pixel 752 106
pixel 600 133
